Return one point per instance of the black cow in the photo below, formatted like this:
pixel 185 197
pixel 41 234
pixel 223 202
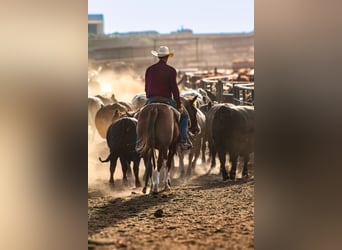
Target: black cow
pixel 121 140
pixel 232 131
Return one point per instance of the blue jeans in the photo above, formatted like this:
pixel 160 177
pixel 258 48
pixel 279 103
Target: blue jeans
pixel 183 127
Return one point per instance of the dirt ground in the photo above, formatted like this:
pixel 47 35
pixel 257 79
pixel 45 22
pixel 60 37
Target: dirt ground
pixel 201 213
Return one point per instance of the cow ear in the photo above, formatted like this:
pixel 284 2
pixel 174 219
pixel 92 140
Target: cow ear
pixel 194 98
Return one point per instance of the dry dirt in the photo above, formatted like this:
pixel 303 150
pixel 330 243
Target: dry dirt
pixel 201 213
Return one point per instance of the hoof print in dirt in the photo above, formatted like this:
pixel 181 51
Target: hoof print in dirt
pixel 158 213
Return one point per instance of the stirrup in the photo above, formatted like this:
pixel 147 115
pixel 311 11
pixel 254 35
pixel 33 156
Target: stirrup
pixel 185 145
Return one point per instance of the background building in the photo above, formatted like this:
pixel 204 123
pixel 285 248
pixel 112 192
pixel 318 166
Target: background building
pixel 95 24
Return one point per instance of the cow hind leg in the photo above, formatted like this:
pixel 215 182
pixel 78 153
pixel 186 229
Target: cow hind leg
pixel 112 170
pixel 245 166
pixel 124 166
pixel 233 159
pixel 222 157
pixel 136 172
pixel 204 147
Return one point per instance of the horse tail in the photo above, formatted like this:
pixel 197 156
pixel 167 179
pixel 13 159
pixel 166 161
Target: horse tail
pixel 107 159
pixel 151 137
pixel 152 126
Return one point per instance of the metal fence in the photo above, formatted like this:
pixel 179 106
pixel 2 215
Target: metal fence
pixel 225 91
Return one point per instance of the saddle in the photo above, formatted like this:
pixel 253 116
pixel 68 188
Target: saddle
pixel 163 101
pixel 175 111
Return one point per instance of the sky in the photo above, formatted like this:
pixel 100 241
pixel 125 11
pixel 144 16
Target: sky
pixel 201 16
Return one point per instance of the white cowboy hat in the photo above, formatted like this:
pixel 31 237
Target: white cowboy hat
pixel 162 51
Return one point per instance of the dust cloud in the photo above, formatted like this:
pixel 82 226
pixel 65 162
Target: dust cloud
pixel 124 85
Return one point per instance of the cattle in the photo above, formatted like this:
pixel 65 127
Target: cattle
pixel 210 114
pixel 196 134
pixel 107 100
pixel 231 131
pixel 121 140
pixel 106 115
pixel 94 104
pixel 202 95
pixel 139 101
pixel 204 109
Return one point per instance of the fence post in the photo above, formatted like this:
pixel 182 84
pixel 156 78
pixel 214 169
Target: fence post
pixel 219 90
pixel 203 84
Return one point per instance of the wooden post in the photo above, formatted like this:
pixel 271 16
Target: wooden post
pixel 219 90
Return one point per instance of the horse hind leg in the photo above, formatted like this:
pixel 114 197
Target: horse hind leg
pixel 148 171
pixel 155 182
pixel 167 180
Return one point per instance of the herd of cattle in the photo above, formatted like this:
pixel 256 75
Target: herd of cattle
pixel 222 127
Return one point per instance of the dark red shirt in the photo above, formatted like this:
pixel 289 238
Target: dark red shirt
pixel 161 80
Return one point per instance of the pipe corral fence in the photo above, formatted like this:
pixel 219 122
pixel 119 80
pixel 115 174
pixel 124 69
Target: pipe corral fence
pixel 225 91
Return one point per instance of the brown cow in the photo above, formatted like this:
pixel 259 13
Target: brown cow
pixel 108 114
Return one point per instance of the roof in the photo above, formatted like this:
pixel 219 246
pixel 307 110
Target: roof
pixel 95 17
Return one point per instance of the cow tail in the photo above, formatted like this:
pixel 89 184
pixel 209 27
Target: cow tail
pixel 106 160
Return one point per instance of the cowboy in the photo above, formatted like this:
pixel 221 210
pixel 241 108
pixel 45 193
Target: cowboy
pixel 161 84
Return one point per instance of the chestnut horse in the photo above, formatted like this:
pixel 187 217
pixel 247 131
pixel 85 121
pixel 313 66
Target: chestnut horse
pixel 158 129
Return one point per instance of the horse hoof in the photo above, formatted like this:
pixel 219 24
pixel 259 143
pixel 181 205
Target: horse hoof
pixel 144 190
